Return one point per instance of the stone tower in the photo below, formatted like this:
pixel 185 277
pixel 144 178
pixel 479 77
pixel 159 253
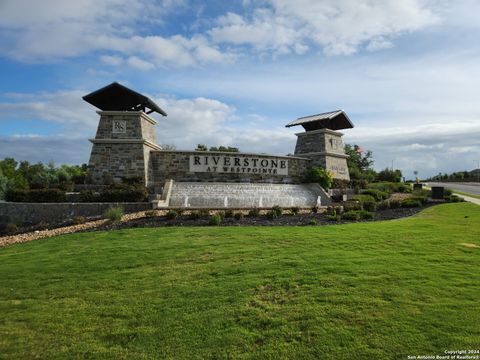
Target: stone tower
pixel 322 143
pixel 125 136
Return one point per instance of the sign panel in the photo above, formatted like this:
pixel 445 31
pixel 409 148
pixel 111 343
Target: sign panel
pixel 238 164
pixel 119 126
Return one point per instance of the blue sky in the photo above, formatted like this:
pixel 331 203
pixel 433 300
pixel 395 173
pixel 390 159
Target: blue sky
pixel 235 72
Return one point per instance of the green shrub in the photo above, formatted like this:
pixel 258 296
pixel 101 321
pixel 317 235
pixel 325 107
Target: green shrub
pixel 36 195
pixel 351 215
pixel 89 196
pixel 455 198
pixel 357 215
pixel 229 214
pixel 365 214
pixel 77 220
pixel 124 193
pixel 378 195
pixel 362 198
pixel 411 202
pixel 447 192
pixel 332 217
pixel 11 228
pixel 383 205
pixel 295 210
pixel 334 210
pixel 352 205
pixel 215 220
pixel 423 193
pixel 278 210
pixel 238 216
pixel 369 206
pixel 421 198
pixel 271 214
pixel 390 187
pixel 113 214
pixel 394 204
pixel 254 212
pixel 312 222
pixel 320 176
pixel 171 214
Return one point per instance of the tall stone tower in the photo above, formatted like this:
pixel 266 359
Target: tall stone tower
pixel 322 143
pixel 125 136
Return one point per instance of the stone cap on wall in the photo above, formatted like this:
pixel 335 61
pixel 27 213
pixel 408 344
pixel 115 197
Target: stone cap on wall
pixel 320 131
pixel 142 114
pixel 125 141
pixel 232 154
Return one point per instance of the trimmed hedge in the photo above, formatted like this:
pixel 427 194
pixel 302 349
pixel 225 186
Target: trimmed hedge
pixel 36 196
pixel 116 193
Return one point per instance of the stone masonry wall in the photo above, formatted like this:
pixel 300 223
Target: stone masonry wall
pixel 110 162
pixel 118 154
pixel 176 165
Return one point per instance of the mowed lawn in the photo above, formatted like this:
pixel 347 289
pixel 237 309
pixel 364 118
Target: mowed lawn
pixel 380 290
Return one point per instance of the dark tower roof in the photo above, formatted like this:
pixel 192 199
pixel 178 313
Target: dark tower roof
pixel 333 120
pixel 116 97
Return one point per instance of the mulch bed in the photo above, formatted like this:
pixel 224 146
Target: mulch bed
pixel 301 219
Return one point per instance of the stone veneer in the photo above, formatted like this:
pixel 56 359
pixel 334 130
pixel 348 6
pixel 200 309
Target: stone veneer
pixel 176 165
pixel 325 148
pixel 123 153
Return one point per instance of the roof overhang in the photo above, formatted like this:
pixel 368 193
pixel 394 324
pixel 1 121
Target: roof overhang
pixel 116 97
pixel 333 120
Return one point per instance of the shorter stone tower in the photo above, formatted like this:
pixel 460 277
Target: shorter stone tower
pixel 322 143
pixel 125 136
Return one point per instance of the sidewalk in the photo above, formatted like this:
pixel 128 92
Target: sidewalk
pixel 469 199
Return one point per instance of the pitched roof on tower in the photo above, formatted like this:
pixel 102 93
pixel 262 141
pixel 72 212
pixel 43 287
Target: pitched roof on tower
pixel 333 120
pixel 116 97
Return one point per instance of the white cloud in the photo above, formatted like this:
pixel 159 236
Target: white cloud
pixel 49 30
pixel 339 26
pixel 140 64
pixel 65 108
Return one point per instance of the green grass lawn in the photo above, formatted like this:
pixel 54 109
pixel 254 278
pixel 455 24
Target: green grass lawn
pixel 380 290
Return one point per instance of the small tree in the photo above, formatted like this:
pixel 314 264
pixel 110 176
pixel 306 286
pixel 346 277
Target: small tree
pixel 201 147
pixel 320 176
pixel 390 175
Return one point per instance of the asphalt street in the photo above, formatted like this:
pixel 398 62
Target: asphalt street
pixel 468 187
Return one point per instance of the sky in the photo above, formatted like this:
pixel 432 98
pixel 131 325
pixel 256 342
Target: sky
pixel 234 73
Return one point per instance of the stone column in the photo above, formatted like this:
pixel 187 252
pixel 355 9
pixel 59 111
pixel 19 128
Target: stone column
pixel 325 148
pixel 121 148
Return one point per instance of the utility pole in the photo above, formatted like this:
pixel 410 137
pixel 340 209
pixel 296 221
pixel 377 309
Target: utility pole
pixel 392 164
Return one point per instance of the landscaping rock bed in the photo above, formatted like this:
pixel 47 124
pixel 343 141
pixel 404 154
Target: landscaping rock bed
pixel 300 219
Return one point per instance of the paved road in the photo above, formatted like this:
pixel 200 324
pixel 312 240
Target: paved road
pixel 471 187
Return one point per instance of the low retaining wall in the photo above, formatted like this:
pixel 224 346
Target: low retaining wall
pixel 33 213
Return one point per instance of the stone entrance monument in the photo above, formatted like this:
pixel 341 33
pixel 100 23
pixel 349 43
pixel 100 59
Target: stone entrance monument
pixel 125 147
pixel 322 143
pixel 125 136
